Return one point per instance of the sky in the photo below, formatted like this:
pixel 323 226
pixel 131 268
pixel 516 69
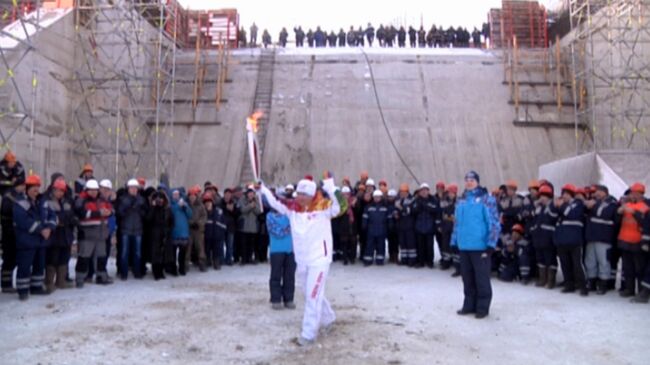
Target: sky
pixel 336 14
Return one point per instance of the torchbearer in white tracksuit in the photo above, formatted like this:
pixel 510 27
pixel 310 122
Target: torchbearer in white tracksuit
pixel 310 215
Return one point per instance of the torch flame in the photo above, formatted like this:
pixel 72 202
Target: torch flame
pixel 252 121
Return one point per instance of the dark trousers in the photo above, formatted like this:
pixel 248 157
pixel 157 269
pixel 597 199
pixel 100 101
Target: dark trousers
pixel 455 258
pixel 249 241
pixel 424 249
pixel 375 244
pixel 8 259
pixel 283 277
pixel 407 246
pixel 57 256
pixel 262 248
pixel 214 250
pixel 348 244
pixel 525 259
pixel 393 246
pixel 634 266
pixel 175 258
pixel 445 249
pixel 572 267
pixel 475 268
pixel 102 262
pixel 363 238
pixel 31 270
pixel 546 257
pixel 238 246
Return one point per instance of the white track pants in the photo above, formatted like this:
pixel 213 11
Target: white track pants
pixel 318 311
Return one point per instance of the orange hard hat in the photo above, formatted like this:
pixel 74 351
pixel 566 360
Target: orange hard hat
pixel 142 181
pixel 637 188
pixel 533 184
pixel 10 157
pixel 581 191
pixel 452 188
pixel 88 168
pixel 570 188
pixel 60 185
pixel 207 197
pixel 33 180
pixel 512 184
pixel 546 190
pixel 194 190
pixel 404 187
pixel 440 185
pixel 518 228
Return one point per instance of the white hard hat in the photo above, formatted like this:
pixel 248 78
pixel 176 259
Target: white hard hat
pixel 370 182
pixel 133 183
pixel 345 190
pixel 424 186
pixel 377 193
pixel 306 187
pixel 91 185
pixel 289 187
pixel 392 193
pixel 106 183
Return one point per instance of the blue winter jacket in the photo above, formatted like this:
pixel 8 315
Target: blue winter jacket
pixel 476 226
pixel 279 229
pixel 375 220
pixel 426 211
pixel 182 216
pixel 28 223
pixel 603 222
pixel 215 225
pixel 570 230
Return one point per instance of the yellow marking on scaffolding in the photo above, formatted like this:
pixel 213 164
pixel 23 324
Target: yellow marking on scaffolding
pixel 15 2
pixel 2 81
pixel 635 131
pixel 34 82
pixel 110 131
pixel 10 72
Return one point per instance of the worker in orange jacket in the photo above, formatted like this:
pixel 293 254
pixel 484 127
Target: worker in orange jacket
pixel 631 239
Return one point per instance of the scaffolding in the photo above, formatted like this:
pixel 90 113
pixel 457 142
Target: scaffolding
pixel 610 51
pixel 124 119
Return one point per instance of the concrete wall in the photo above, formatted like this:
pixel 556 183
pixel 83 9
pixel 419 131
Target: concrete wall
pixel 51 59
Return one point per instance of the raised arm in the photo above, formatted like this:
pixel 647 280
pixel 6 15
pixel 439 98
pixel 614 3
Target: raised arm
pixel 335 207
pixel 273 202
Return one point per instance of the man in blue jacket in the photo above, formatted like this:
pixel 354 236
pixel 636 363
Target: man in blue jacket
pixel 31 233
pixel 476 231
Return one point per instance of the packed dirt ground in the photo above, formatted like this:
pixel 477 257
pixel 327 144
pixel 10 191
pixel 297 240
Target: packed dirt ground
pixel 386 315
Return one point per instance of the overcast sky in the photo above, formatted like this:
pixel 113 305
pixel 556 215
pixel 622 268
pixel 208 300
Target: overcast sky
pixel 334 14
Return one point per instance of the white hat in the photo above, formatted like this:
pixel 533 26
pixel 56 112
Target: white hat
pixel 92 185
pixel 133 183
pixel 306 187
pixel 106 183
pixel 345 190
pixel 370 182
pixel 424 186
pixel 377 193
pixel 289 187
pixel 392 193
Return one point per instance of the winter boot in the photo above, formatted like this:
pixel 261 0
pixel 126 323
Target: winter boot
pixel 202 267
pixel 181 268
pixel 50 273
pixel 601 287
pixel 171 269
pixel 61 275
pixel 611 284
pixel 541 277
pixel 216 264
pixel 643 296
pixel 628 289
pixel 591 284
pixel 550 279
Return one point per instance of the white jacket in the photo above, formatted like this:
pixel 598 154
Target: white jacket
pixel 311 231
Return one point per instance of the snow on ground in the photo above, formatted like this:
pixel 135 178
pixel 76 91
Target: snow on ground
pixel 386 315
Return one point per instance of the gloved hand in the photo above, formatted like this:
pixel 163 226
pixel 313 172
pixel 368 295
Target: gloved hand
pixel 645 247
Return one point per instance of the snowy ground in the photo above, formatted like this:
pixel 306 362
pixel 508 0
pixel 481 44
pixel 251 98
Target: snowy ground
pixel 387 315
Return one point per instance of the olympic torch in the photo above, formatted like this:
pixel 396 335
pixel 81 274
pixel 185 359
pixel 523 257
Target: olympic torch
pixel 253 151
